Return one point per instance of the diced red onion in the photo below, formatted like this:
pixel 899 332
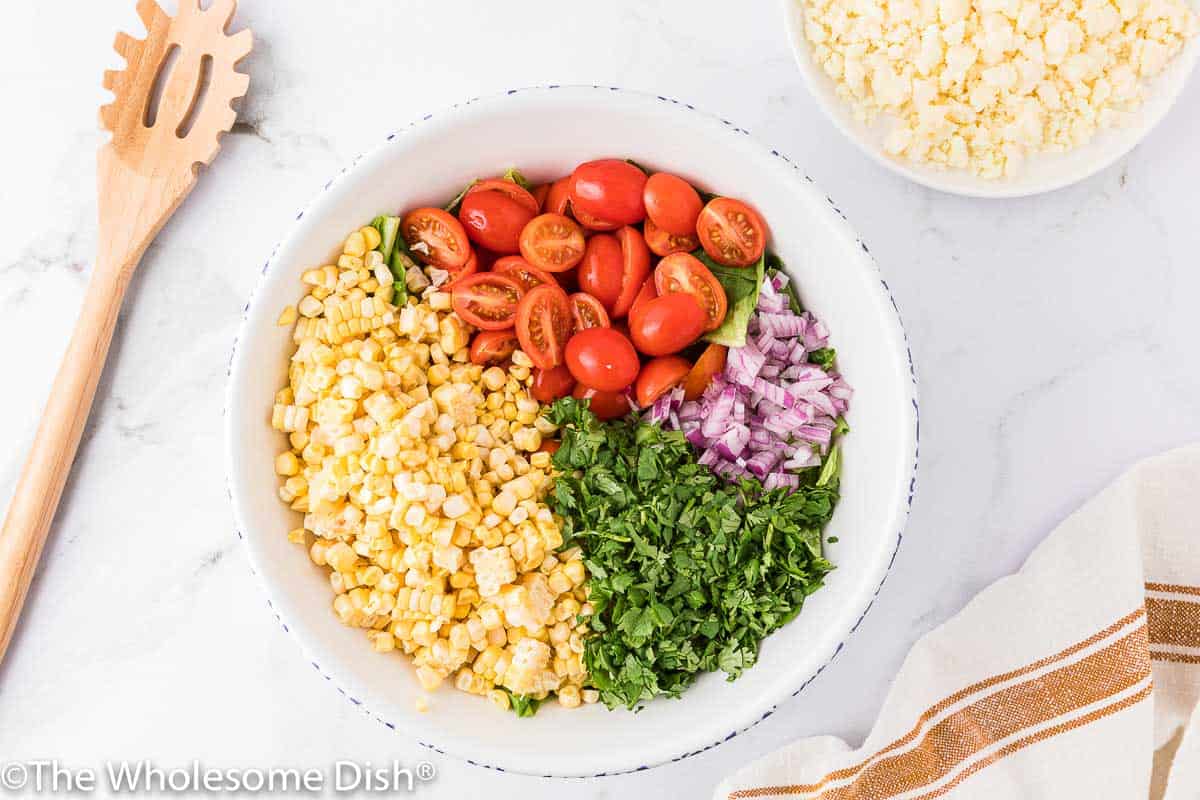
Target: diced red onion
pixel 780 480
pixel 771 412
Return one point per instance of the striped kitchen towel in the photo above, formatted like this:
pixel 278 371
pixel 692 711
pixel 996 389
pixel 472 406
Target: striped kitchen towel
pixel 1078 677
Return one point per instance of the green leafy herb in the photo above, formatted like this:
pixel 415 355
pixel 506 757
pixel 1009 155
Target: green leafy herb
pixel 513 174
pixel 395 254
pixel 688 573
pixel 741 286
pixel 823 358
pixel 523 705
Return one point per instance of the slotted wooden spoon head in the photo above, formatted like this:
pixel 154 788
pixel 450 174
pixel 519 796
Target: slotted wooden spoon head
pixel 157 148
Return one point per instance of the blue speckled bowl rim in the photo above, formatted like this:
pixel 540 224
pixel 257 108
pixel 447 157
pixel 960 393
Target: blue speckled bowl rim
pixel 899 533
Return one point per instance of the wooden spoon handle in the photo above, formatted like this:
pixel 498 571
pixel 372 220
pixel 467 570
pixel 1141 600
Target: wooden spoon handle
pixel 49 463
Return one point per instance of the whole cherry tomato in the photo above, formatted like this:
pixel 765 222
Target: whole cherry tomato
pixel 609 190
pixel 671 203
pixel 551 384
pixel 667 324
pixel 603 359
pixel 605 405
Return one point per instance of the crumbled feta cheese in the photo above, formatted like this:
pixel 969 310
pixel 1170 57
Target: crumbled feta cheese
pixel 982 84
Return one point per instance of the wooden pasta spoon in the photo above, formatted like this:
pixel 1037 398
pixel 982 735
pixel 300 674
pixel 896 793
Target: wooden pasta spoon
pixel 172 102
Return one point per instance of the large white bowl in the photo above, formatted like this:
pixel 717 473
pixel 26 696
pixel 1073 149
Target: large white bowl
pixel 546 131
pixel 1040 173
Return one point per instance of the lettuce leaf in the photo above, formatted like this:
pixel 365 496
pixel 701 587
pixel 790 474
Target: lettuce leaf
pixel 741 286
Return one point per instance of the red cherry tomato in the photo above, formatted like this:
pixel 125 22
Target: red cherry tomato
pixel 544 325
pixel 470 268
pixel 487 300
pixel 588 312
pixel 493 219
pixel 552 242
pixel 509 188
pixel 558 198
pixel 672 203
pixel 683 272
pixel 593 223
pixel 605 405
pixel 551 384
pixel 539 193
pixel 493 347
pixel 610 190
pixel 519 270
pixel 550 446
pixel 659 376
pixel 667 324
pixel 435 238
pixel 601 358
pixel 662 243
pixel 644 296
pixel 709 364
pixel 731 232
pixel 602 268
pixel 635 266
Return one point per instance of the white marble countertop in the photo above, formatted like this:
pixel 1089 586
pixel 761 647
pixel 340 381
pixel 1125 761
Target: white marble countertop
pixel 1054 338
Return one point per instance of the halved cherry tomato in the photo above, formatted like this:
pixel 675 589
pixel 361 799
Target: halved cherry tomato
pixel 672 203
pixel 635 266
pixel 593 223
pixel 494 219
pixel 470 268
pixel 667 324
pixel 550 384
pixel 731 232
pixel 558 198
pixel 609 190
pixel 710 363
pixel 601 358
pixel 539 193
pixel 601 271
pixel 435 238
pixel 552 242
pixel 487 300
pixel 544 325
pixel 605 405
pixel 519 270
pixel 509 188
pixel 644 296
pixel 683 272
pixel 662 243
pixel 659 376
pixel 493 347
pixel 588 312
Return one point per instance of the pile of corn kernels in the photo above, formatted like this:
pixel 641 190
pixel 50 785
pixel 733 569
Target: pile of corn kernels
pixel 420 475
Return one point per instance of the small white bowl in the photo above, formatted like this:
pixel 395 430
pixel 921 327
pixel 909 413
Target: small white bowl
pixel 1040 173
pixel 545 132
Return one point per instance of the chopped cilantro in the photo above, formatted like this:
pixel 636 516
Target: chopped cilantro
pixel 688 573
